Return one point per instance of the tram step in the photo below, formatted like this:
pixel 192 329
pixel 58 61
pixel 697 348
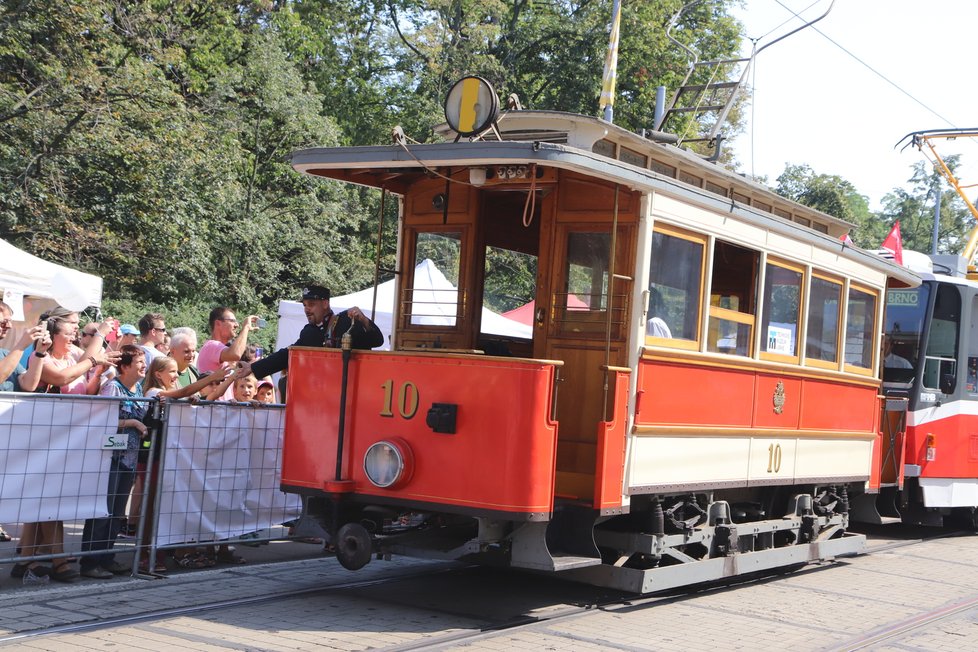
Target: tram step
pixel 888 520
pixel 567 562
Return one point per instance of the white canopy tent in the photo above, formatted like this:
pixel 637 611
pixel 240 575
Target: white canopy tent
pixel 32 285
pixel 434 296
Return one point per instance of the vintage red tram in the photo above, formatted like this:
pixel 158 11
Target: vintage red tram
pixel 697 395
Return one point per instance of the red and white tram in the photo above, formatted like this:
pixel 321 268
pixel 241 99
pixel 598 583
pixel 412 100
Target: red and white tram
pixel 930 364
pixel 930 469
pixel 696 396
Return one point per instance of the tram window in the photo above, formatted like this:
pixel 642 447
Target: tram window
pixel 860 324
pixel 582 304
pixel 942 340
pixel 510 285
pixel 587 271
pixel 732 299
pixel 434 298
pixel 675 287
pixel 906 312
pixel 824 310
pixel 781 310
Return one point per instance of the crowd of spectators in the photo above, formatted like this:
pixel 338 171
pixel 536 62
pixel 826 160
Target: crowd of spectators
pixel 128 362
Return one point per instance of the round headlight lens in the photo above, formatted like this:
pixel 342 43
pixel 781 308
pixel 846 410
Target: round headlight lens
pixel 384 464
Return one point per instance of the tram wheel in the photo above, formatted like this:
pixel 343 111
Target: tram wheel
pixel 353 547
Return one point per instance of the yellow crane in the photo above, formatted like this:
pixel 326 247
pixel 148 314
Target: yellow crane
pixel 923 141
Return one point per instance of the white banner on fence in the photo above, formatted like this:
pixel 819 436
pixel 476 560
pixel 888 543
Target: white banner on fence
pixel 222 470
pixel 52 465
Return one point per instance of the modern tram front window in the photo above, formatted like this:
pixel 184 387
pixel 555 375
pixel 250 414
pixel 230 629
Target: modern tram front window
pixel 906 312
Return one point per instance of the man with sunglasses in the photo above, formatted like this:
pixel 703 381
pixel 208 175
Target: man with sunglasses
pixel 152 331
pixel 227 343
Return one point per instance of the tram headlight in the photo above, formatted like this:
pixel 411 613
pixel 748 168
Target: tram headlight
pixel 388 463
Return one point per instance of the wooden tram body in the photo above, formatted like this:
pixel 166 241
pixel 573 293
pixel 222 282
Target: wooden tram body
pixel 602 446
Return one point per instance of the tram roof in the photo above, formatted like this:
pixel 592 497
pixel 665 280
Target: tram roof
pixel 395 168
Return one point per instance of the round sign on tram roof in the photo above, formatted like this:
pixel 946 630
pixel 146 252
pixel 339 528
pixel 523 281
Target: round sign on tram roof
pixel 471 106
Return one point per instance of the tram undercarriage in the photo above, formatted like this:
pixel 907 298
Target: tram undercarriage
pixel 663 543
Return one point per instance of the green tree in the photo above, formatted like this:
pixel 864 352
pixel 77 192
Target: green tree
pixel 914 208
pixel 835 196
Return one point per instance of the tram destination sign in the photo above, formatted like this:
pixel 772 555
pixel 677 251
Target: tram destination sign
pixel 902 297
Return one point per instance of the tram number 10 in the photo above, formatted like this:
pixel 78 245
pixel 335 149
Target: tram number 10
pixel 407 399
pixel 774 458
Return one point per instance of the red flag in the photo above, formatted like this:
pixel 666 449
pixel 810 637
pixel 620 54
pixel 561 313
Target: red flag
pixel 846 240
pixel 894 243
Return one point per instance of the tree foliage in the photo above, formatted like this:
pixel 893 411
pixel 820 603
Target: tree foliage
pixel 147 141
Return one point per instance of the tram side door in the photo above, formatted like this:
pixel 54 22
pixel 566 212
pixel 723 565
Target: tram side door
pixel 582 319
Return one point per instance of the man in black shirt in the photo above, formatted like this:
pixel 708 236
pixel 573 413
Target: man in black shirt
pixel 325 329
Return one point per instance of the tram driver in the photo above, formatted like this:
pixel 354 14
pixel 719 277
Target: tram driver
pixel 325 329
pixel 890 359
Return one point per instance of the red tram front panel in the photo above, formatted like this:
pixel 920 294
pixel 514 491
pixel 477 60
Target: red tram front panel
pixel 499 459
pixel 951 432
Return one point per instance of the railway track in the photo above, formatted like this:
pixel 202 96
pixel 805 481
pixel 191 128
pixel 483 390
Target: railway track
pixel 587 600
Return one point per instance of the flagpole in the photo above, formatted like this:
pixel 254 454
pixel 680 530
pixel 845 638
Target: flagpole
pixel 608 78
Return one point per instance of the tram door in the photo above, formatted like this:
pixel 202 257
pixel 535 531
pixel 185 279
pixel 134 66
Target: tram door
pixel 582 315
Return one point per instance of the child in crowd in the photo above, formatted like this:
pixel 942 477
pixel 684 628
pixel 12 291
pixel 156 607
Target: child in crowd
pixel 266 391
pixel 245 388
pixel 161 381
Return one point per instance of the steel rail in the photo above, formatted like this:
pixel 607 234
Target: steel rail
pixel 525 622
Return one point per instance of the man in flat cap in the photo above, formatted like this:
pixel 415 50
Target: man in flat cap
pixel 325 328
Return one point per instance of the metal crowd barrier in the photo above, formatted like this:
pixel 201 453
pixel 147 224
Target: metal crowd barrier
pixel 212 477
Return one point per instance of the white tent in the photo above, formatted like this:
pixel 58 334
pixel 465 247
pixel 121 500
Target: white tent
pixel 31 285
pixel 434 303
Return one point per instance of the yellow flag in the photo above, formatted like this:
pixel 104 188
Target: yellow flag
pixel 611 60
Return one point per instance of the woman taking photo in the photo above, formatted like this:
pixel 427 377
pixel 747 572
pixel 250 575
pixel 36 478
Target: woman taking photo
pixel 63 371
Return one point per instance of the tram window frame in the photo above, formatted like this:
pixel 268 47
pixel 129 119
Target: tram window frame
pixel 590 319
pixel 739 316
pixel 693 301
pixel 944 329
pixel 810 314
pixel 767 306
pixel 408 316
pixel 871 328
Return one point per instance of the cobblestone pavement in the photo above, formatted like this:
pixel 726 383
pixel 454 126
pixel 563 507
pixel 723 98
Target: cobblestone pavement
pixel 920 597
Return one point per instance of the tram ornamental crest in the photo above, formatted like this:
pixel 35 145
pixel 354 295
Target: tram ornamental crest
pixel 778 397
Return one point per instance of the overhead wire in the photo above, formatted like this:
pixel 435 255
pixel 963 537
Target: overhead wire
pixel 869 67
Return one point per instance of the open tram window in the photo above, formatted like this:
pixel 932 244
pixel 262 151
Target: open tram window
pixel 941 355
pixel 675 288
pixel 433 301
pixel 860 327
pixel 733 299
pixel 781 310
pixel 824 313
